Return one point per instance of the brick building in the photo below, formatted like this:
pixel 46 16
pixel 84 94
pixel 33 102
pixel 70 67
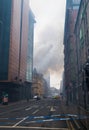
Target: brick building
pixel 14 24
pixel 70 60
pixel 82 45
pixel 40 86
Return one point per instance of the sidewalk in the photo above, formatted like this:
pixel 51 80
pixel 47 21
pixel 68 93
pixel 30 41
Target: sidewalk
pixel 70 108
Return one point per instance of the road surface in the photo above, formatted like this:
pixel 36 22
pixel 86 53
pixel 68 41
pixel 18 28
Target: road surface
pixel 36 114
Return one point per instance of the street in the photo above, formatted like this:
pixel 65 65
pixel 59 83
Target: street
pixel 35 114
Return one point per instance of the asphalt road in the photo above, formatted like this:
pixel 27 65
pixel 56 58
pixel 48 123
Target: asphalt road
pixel 42 114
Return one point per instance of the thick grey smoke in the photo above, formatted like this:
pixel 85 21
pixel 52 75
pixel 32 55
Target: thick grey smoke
pixel 49 50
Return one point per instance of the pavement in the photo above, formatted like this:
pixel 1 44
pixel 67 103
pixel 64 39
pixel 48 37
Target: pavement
pixel 70 108
pixel 73 109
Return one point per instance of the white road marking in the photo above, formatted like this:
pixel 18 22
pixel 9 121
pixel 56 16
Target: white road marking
pixel 17 109
pixel 17 118
pixel 20 121
pixel 38 117
pixel 52 109
pixel 27 109
pixel 35 106
pixel 44 128
pixel 35 111
pixel 42 121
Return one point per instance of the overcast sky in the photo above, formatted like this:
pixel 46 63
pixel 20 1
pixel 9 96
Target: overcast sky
pixel 48 37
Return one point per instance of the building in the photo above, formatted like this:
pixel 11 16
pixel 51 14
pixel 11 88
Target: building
pixel 39 87
pixel 70 60
pixel 14 24
pixel 30 46
pixel 47 82
pixel 82 46
pixel 29 72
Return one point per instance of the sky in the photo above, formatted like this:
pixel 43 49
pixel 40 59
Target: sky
pixel 48 38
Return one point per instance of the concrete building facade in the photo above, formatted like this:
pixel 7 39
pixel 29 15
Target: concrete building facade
pixel 30 46
pixel 29 72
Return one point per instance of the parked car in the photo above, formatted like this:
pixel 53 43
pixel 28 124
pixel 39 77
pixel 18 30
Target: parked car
pixel 37 97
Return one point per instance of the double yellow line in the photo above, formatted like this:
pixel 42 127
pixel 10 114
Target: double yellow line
pixel 70 126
